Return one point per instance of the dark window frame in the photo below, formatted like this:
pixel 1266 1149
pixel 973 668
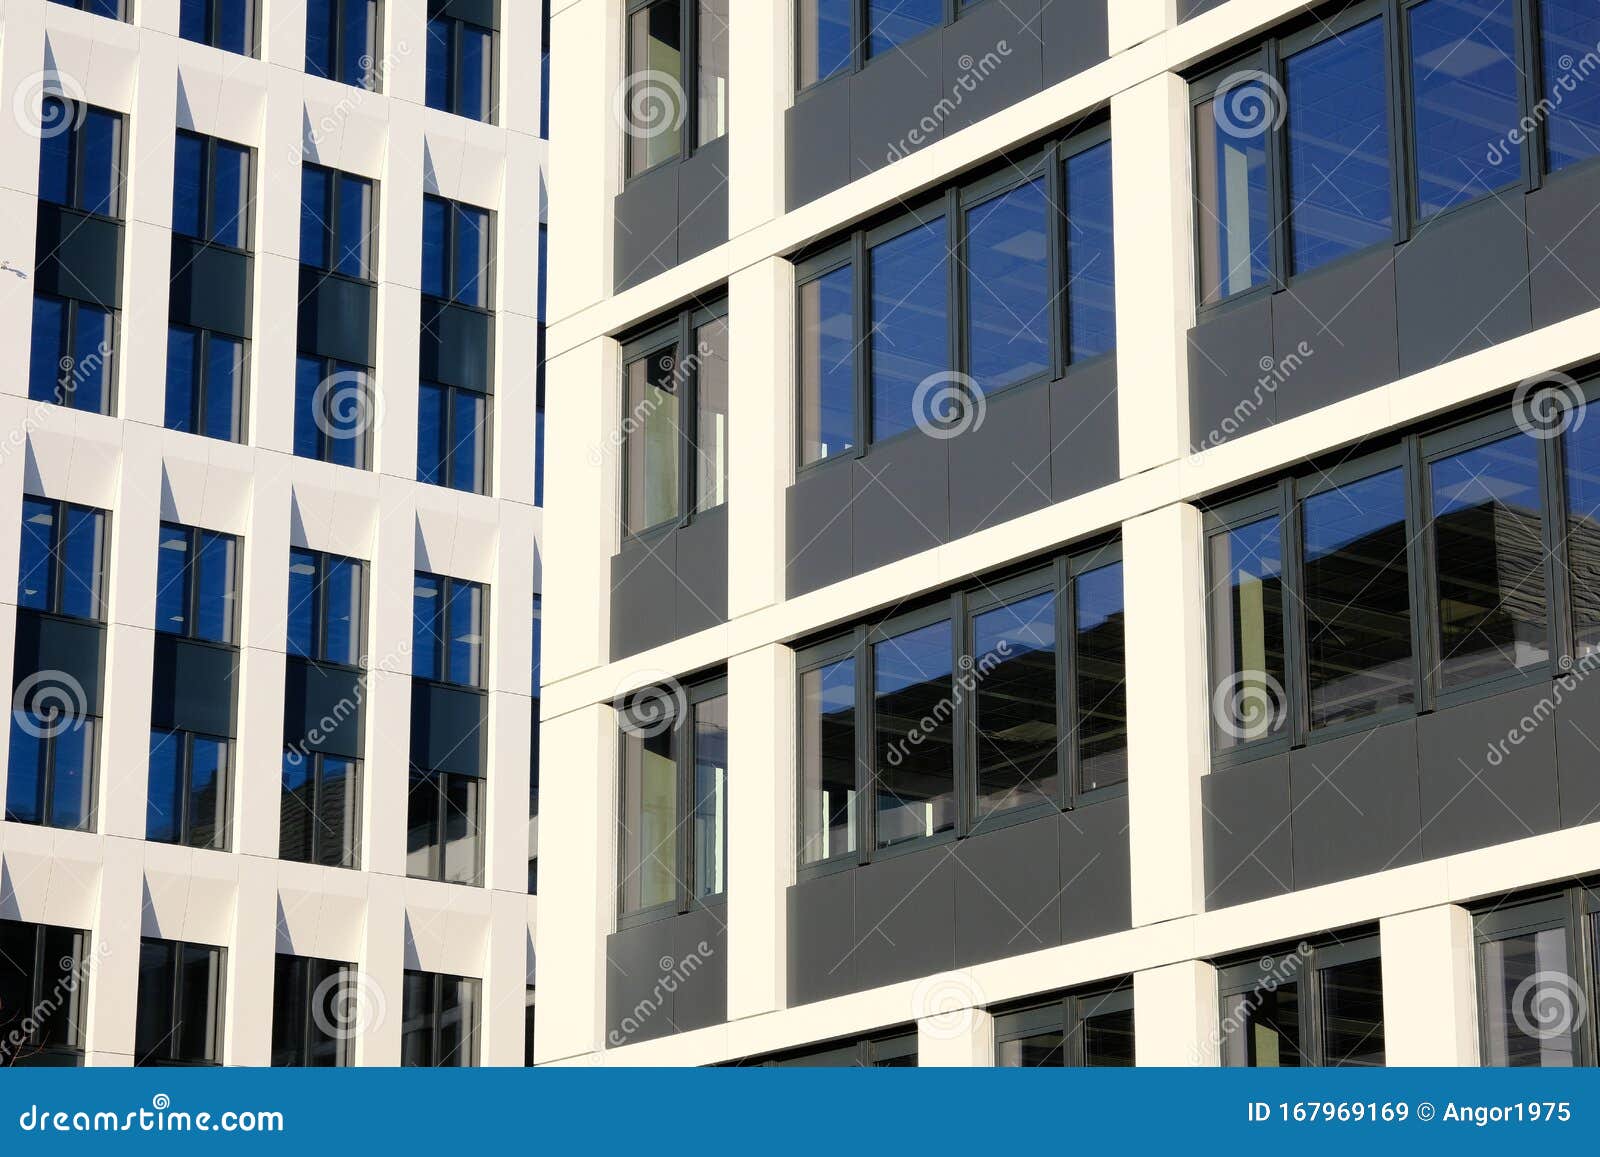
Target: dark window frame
pixel 1240 976
pixel 1069 1014
pixel 337 30
pixel 191 585
pixel 58 555
pixel 330 225
pixel 454 81
pixel 74 114
pixel 451 246
pixel 329 369
pixel 448 583
pixel 222 838
pixel 48 742
pixel 1575 910
pixel 860 35
pixel 64 394
pixel 214 22
pixel 320 559
pixel 350 840
pixel 199 403
pixel 433 1016
pixel 688 84
pixel 314 974
pixel 40 973
pixel 216 1002
pixel 452 443
pixel 208 169
pixel 439 782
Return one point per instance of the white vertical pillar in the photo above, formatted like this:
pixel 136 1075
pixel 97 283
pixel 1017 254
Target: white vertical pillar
pixel 1175 1015
pixel 252 955
pixel 1429 987
pixel 383 962
pixel 505 981
pixel 264 590
pixel 114 966
pixel 759 81
pixel 399 305
pixel 962 1039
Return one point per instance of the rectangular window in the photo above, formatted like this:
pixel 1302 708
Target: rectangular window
pixel 827 365
pixel 63 559
pixel 1091 291
pixel 827 745
pixel 674 769
pixel 206 383
pixel 1581 479
pixel 81 157
pixel 212 191
pixel 327 596
pixel 71 359
pixel 827 39
pixel 1007 276
pixel 1314 1005
pixel 439 1022
pixel 226 24
pixel 544 74
pixel 452 437
pixel 678 74
pixel 115 9
pixel 342 42
pixel 335 412
pixel 180 1009
pixel 190 788
pixel 444 827
pixel 338 222
pixel 457 252
pixel 1245 627
pixel 54 750
pixel 1536 967
pixel 320 810
pixel 711 70
pixel 1016 718
pixel 711 414
pixel 1101 691
pixel 316 1012
pixel 1090 1031
pixel 891 23
pixel 912 688
pixel 449 625
pixel 908 325
pixel 197 583
pixel 1232 198
pixel 1569 32
pixel 461 68
pixel 44 991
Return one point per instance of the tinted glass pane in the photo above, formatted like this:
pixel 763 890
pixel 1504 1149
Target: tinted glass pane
pixel 307 433
pixel 63 971
pixel 441 66
pixel 427 626
pixel 1108 1040
pixel 297 817
pixel 1014 665
pixel 72 774
pixel 83 563
pixel 913 705
pixel 1008 287
pixel 476 83
pixel 458 1022
pixel 654 439
pixel 1232 214
pixel 172 588
pixel 316 216
pixel 348 416
pixel 1464 99
pixel 164 805
pixel 37 565
pixel 417 1015
pixel 46 374
pixel 90 384
pixel 342 611
pixel 215 577
pixel 1527 985
pixel 355 228
pixel 466 634
pixel 200 1015
pixel 55 151
pixel 1091 257
pixel 710 852
pixel 469 429
pixel 1489 558
pixel 909 319
pixel 432 433
pixel 463 823
pixel 649 821
pixel 25 782
pixel 302 639
pixel 1245 630
pixel 1581 444
pixel 655 112
pixel 1339 186
pixel 208 778
pixel 435 246
pixel 183 378
pixel 825 39
pixel 224 402
pixel 474 240
pixel 361 44
pixel 1102 692
pixel 188 186
pixel 827 365
pixel 234 26
pixel 320 32
pixel 1261 1028
pixel 893 22
pixel 1569 33
pixel 827 744
pixel 1358 602
pixel 156 1014
pixel 422 827
pixel 1041 1050
pixel 100 167
pixel 230 195
pixel 337 811
pixel 711 420
pixel 713 64
pixel 289 1009
pixel 1352 1013
pixel 192 19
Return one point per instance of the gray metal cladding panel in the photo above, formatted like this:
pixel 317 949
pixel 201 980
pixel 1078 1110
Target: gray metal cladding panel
pixel 890 99
pixel 1564 245
pixel 1229 352
pixel 1001 466
pixel 902 501
pixel 448 728
pixel 1075 36
pixel 457 346
pixel 211 288
pixel 1472 798
pixel 1334 334
pixel 1248 845
pixel 817 142
pixel 647 226
pixel 1577 724
pixel 482 12
pixel 702 572
pixel 1462 283
pixel 703 200
pixel 192 686
pixel 73 654
pixel 644 595
pixel 700 968
pixel 1096 877
pixel 1007 888
pixel 638 1005
pixel 905 916
pixel 821 516
pixel 1084 425
pixel 992 58
pixel 80 256
pixel 338 317
pixel 322 708
pixel 1191 8
pixel 822 937
pixel 1356 805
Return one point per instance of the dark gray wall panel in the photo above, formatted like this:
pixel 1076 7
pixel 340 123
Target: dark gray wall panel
pixel 1188 8
pixel 703 200
pixel 482 12
pixel 700 957
pixel 638 1007
pixel 1356 805
pixel 78 256
pixel 816 143
pixel 192 686
pixel 74 650
pixel 322 708
pixel 820 546
pixel 1084 425
pixel 1468 802
pixel 1006 892
pixel 992 58
pixel 1074 36
pixel 822 937
pixel 1564 245
pixel 1462 283
pixel 1226 353
pixel 702 573
pixel 1096 882
pixel 647 226
pixel 902 502
pixel 449 728
pixel 1003 465
pixel 905 916
pixel 457 346
pixel 889 100
pixel 1249 851
pixel 211 288
pixel 338 317
pixel 644 595
pixel 1345 315
pixel 1577 724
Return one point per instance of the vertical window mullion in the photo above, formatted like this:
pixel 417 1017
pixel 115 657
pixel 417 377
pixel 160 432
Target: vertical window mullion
pixel 36 982
pixel 963 775
pixel 1420 560
pixel 1399 122
pixel 1277 173
pixel 58 561
pixel 1530 74
pixel 689 63
pixel 684 766
pixel 175 1036
pixel 1295 666
pixel 1552 457
pixel 1060 289
pixel 861 310
pixel 689 419
pixel 866 761
pixel 1066 700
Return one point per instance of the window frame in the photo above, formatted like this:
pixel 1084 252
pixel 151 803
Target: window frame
pixel 331 220
pixel 330 368
pixel 214 21
pixel 453 79
pixel 1576 911
pixel 451 243
pixel 199 402
pixel 48 743
pixel 222 839
pixel 448 583
pixel 688 84
pixel 1240 976
pixel 64 396
pixel 314 974
pixel 337 30
pixel 321 559
pixel 123 8
pixel 1069 1014
pixel 350 840
pixel 453 444
pixel 207 187
pixel 216 1002
pixel 58 556
pixel 438 782
pixel 77 113
pixel 191 585
pixel 433 1016
pixel 954 10
pixel 38 974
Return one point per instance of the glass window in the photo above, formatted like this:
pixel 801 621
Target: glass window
pixel 1090 1031
pixel 655 80
pixel 448 630
pixel 180 1004
pixel 334 412
pixel 711 65
pixel 1352 1013
pixel 1232 201
pixel 827 365
pixel 1245 628
pixel 826 39
pixel 224 24
pixel 1581 455
pixel 465 637
pixel 711 419
pixel 440 1017
pixel 544 84
pixel 342 41
pixel 356 224
pixel 196 583
pixel 52 756
pixel 891 23
pixel 461 68
pixel 316 1012
pixel 1101 679
pixel 444 827
pixel 1358 600
pixel 912 688
pixel 653 430
pixel 44 992
pixel 62 562
pixel 473 249
pixel 1008 287
pixel 189 778
pixel 325 606
pixel 211 190
pixel 188 185
pixel 317 208
pixel 827 744
pixel 1489 559
pixel 1262 1029
pixel 1017 732
pixel 112 8
pixel 1464 99
pixel 37 564
pixel 909 323
pixel 337 222
pixel 80 157
pixel 709 858
pixel 649 815
pixel 1091 260
pixel 1569 31
pixel 205 383
pixel 1314 1005
pixel 1519 973
pixel 452 438
pixel 71 357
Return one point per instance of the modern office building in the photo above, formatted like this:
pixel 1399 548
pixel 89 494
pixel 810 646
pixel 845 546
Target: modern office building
pixel 1075 533
pixel 269 504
